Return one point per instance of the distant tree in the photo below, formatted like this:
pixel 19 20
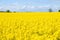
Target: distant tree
pixel 7 10
pixel 58 10
pixel 2 11
pixel 50 10
pixel 14 11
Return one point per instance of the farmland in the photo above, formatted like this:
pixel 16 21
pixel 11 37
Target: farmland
pixel 30 26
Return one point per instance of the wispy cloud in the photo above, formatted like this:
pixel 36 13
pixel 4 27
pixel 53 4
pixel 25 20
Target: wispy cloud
pixel 25 7
pixel 29 5
pixel 16 7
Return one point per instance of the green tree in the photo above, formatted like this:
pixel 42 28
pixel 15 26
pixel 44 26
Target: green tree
pixel 14 11
pixel 50 10
pixel 58 10
pixel 7 10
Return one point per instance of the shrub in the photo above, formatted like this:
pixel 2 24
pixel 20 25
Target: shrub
pixel 50 10
pixel 8 11
pixel 58 10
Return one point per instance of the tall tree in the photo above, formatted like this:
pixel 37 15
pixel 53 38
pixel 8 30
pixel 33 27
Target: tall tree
pixel 50 10
pixel 58 10
pixel 7 10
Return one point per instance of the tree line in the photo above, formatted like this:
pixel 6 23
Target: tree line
pixel 7 11
pixel 49 10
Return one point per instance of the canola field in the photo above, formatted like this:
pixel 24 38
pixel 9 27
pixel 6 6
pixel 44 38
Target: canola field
pixel 30 26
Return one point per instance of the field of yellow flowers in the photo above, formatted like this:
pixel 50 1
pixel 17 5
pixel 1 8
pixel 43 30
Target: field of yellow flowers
pixel 30 26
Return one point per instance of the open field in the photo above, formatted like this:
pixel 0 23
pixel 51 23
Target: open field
pixel 30 26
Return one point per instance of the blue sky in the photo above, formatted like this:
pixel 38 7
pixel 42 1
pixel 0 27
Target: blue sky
pixel 29 5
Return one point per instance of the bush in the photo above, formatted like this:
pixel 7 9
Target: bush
pixel 8 11
pixel 2 11
pixel 50 10
pixel 58 10
pixel 14 11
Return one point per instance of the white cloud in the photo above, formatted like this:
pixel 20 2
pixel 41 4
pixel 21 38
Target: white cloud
pixel 46 6
pixel 16 6
pixel 30 7
pixel 23 7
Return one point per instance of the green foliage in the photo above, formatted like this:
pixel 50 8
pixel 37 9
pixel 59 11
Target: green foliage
pixel 58 10
pixel 50 10
pixel 1 11
pixel 7 10
pixel 14 11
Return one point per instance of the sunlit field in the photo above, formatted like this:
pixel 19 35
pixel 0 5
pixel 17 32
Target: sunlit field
pixel 30 26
